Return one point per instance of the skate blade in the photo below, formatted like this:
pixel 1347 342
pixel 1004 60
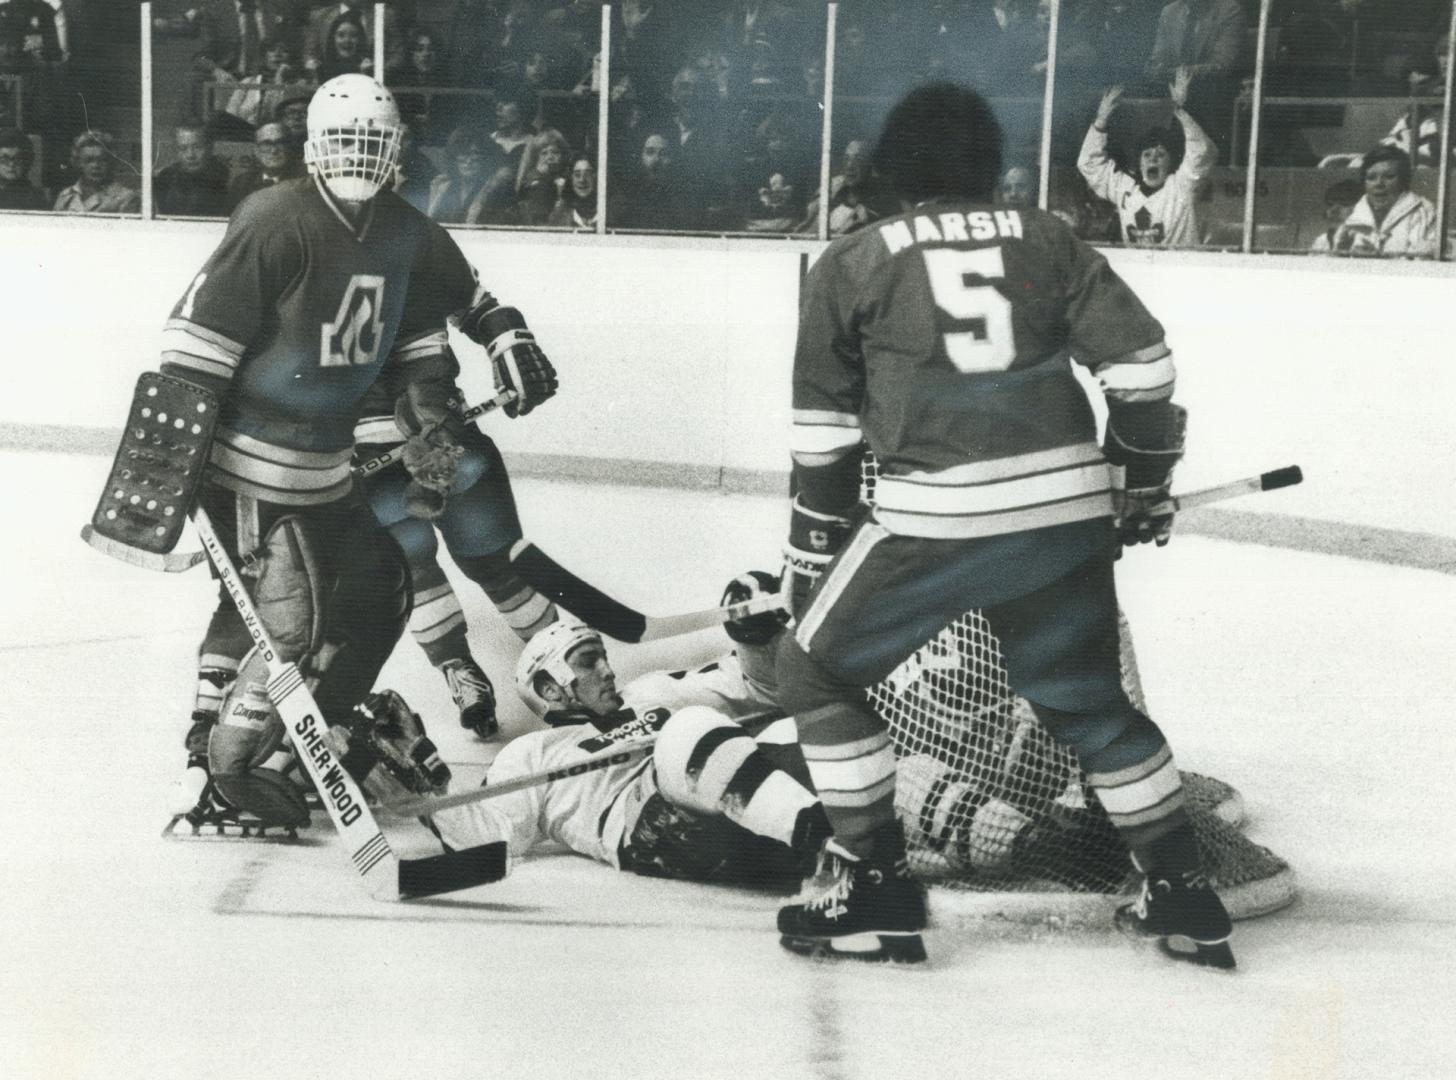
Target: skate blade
pixel 868 948
pixel 1214 954
pixel 179 828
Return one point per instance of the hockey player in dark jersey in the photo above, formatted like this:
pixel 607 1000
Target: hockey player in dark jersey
pixel 478 523
pixel 942 338
pixel 323 288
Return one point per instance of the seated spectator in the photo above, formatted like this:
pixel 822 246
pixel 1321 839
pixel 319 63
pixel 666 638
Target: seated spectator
pixel 28 36
pixel 647 196
pixel 777 176
pixel 346 50
pixel 461 185
pixel 430 117
pixel 542 177
pixel 701 160
pixel 231 33
pixel 513 113
pixel 1340 200
pixel 414 172
pixel 292 113
pixel 1157 206
pixel 1017 187
pixel 1205 37
pixel 319 35
pixel 576 206
pixel 257 96
pixel 17 155
pixel 195 185
pixel 856 195
pixel 96 190
pixel 1390 220
pixel 276 158
pixel 1427 148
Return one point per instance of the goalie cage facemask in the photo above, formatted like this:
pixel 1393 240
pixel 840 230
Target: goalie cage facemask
pixel 353 137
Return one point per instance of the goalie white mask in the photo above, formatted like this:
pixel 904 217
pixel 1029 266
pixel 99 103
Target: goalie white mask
pixel 547 652
pixel 353 137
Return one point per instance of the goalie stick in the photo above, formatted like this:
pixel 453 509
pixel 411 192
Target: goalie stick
pixel 612 755
pixel 389 457
pixel 617 620
pixel 386 876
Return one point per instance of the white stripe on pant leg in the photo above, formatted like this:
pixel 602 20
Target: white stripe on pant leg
pixel 1140 794
pixel 852 774
pixel 525 617
pixel 840 576
pixel 431 621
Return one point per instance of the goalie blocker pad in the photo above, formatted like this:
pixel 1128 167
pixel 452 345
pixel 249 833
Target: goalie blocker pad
pixel 158 465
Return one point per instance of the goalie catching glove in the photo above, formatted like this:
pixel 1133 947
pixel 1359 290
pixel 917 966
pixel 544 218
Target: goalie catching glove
pixel 519 363
pixel 814 539
pixel 1144 503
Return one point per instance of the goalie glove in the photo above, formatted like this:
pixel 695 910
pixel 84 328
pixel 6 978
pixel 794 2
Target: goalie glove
pixel 814 540
pixel 757 629
pixel 1144 504
pixel 519 363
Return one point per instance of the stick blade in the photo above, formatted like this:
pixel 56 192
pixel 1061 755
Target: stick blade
pixel 1278 478
pixel 166 562
pixel 453 870
pixel 586 602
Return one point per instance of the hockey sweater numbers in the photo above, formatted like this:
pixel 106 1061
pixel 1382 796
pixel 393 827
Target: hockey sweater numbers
pixel 354 336
pixel 962 284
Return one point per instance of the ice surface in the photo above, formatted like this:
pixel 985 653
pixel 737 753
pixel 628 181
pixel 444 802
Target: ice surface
pixel 1320 686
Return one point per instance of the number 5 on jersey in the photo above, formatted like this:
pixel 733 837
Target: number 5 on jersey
pixel 961 282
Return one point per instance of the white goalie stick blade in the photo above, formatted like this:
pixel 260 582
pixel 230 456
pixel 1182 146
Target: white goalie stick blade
pixel 612 617
pixel 172 562
pixel 389 457
pixel 385 875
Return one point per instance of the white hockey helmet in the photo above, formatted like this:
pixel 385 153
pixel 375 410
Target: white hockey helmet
pixel 547 652
pixel 353 136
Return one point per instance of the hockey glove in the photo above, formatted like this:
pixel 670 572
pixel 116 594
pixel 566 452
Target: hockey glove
pixel 385 749
pixel 757 629
pixel 431 458
pixel 814 540
pixel 1144 504
pixel 519 363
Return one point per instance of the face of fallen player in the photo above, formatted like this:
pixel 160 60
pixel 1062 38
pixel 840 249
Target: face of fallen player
pixel 595 685
pixel 1155 164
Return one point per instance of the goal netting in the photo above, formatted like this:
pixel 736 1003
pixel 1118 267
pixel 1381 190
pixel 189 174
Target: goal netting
pixel 992 803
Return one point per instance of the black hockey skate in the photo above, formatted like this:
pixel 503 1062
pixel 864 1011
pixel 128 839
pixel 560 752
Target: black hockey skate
pixel 858 909
pixel 474 696
pixel 1184 915
pixel 214 818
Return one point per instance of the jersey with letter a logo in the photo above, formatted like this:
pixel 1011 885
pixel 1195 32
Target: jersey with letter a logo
pixel 944 338
pixel 299 311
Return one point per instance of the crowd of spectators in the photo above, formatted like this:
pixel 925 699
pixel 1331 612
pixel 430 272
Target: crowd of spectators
pixel 714 106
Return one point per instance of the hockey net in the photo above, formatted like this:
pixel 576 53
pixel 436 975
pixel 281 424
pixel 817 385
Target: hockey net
pixel 992 803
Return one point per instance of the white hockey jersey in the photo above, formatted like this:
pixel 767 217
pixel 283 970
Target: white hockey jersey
pixel 1162 218
pixel 592 812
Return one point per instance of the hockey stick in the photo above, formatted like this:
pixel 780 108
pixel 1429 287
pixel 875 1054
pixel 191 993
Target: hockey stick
pixel 612 755
pixel 612 617
pixel 616 619
pixel 389 457
pixel 386 876
pixel 1268 481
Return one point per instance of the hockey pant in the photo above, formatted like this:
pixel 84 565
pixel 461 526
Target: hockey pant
pixel 1049 598
pixel 479 526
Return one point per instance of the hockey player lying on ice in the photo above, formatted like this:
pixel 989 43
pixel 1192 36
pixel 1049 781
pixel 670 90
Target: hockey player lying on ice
pixel 712 804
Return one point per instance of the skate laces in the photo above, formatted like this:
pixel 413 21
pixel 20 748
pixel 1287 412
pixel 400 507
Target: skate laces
pixel 468 684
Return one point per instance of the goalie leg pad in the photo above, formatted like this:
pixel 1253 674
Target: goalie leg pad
pixel 249 755
pixel 289 588
pixel 159 464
